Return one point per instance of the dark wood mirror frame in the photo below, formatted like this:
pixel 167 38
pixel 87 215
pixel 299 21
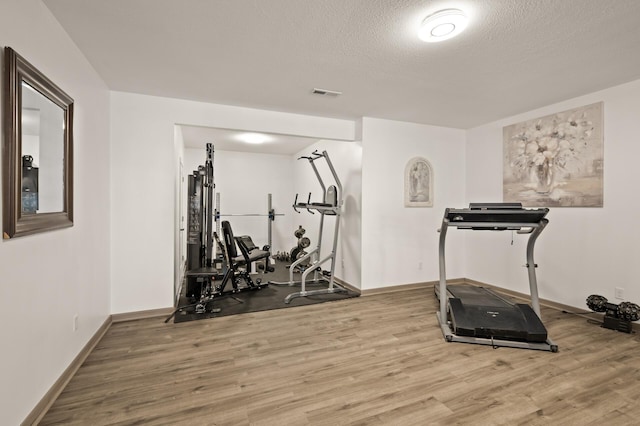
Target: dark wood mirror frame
pixel 16 71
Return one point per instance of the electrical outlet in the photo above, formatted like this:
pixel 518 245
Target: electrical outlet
pixel 75 322
pixel 419 266
pixel 619 293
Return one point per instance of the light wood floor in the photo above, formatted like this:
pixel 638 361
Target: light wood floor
pixel 373 360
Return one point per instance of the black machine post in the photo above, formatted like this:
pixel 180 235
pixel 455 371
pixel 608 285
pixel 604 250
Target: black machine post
pixel 209 186
pixel 200 224
pixel 472 314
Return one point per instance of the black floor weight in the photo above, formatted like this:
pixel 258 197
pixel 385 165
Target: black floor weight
pixel 616 317
pixel 629 311
pixel 597 303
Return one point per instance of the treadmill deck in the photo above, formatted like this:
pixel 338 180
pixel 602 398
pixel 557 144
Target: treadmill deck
pixel 479 312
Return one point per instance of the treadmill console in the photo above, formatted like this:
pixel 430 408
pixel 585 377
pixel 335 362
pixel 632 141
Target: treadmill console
pixel 495 206
pixel 495 216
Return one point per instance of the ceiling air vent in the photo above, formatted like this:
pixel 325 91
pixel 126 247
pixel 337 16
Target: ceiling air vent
pixel 325 92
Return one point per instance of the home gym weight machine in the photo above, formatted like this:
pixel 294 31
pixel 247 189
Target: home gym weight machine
pixel 472 314
pixel 201 262
pixel 331 205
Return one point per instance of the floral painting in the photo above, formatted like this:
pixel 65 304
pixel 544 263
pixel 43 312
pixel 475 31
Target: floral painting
pixel 555 161
pixel 418 183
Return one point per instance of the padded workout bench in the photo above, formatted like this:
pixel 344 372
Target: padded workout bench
pixel 239 265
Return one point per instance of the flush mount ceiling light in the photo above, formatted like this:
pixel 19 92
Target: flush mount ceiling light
pixel 442 25
pixel 254 138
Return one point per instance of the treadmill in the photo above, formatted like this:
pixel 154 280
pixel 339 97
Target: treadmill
pixel 472 314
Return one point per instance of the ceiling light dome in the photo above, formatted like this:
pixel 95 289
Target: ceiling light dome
pixel 442 25
pixel 254 138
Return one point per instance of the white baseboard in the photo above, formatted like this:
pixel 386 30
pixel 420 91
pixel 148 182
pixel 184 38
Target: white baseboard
pixel 403 287
pixel 346 285
pixel 150 313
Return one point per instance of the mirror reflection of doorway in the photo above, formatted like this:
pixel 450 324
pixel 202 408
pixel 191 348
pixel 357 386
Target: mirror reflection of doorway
pixel 42 153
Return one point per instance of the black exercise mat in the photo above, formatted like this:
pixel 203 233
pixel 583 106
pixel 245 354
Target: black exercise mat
pixel 267 298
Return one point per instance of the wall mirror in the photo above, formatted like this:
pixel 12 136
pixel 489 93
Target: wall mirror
pixel 37 155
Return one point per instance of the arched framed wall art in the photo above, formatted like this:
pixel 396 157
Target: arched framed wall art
pixel 418 183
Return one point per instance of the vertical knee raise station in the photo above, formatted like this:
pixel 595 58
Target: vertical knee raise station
pixel 472 314
pixel 331 205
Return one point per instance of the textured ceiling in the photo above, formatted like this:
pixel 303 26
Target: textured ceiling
pixel 515 56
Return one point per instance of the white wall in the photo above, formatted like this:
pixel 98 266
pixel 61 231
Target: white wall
pixel 47 278
pixel 400 244
pixel 243 180
pixel 346 158
pixel 583 250
pixel 142 209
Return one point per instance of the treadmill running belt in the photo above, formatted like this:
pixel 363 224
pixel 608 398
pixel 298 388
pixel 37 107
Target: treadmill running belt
pixel 478 312
pixel 474 295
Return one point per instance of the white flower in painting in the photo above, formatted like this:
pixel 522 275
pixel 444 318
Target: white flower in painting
pixel 532 148
pixel 552 147
pixel 551 144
